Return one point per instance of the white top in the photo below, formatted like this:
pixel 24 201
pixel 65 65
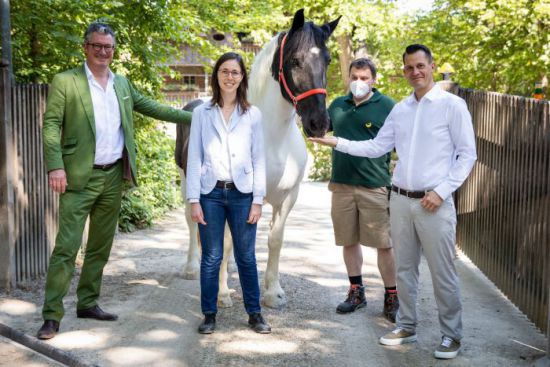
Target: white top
pixel 434 140
pixel 224 169
pixel 109 136
pixel 211 139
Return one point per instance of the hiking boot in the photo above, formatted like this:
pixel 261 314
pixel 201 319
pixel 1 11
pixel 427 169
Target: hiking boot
pixel 209 324
pixel 397 337
pixel 258 324
pixel 356 299
pixel 448 348
pixel 391 305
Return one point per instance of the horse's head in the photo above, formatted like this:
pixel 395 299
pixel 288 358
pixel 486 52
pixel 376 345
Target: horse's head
pixel 305 61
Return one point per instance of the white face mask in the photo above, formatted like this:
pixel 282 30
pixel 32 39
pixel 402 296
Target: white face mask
pixel 359 88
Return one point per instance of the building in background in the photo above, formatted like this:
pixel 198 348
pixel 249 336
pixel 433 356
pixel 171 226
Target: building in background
pixel 192 79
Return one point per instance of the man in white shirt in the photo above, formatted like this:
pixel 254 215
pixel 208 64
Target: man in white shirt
pixel 433 135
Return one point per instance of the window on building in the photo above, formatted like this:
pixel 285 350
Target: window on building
pixel 190 82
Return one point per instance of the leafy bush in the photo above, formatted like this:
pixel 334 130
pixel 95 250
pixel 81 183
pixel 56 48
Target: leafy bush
pixel 322 162
pixel 157 179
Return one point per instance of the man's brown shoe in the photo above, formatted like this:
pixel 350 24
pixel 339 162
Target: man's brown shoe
pixel 48 330
pixel 95 313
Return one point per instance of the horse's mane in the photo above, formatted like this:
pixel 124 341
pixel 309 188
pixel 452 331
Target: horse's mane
pixel 260 73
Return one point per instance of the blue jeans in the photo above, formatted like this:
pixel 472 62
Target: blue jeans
pixel 219 206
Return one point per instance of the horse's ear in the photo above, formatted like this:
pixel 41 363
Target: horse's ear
pixel 298 21
pixel 329 27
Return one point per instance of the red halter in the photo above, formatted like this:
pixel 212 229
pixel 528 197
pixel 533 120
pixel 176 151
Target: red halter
pixel 298 98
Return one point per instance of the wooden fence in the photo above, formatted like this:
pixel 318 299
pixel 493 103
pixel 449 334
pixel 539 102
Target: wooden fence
pixel 504 206
pixel 34 206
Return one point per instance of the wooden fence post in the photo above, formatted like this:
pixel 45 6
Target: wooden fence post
pixel 7 157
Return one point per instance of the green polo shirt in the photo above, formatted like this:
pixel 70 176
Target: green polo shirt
pixel 360 123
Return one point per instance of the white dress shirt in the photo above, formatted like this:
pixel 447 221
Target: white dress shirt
pixel 434 140
pixel 224 169
pixel 109 136
pixel 210 139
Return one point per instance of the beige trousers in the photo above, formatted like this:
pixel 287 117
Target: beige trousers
pixel 414 231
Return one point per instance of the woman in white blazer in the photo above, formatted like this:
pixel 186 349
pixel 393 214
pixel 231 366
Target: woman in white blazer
pixel 226 183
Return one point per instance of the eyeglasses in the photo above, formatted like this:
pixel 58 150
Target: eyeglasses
pixel 234 73
pixel 98 46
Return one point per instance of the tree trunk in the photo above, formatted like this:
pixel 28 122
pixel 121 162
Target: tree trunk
pixel 345 56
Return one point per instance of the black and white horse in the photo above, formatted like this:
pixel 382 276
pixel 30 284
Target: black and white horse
pixel 284 81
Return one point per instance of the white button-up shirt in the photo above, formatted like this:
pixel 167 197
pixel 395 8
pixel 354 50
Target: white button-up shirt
pixel 434 140
pixel 224 169
pixel 109 137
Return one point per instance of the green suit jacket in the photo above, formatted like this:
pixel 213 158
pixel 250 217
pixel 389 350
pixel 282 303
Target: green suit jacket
pixel 69 125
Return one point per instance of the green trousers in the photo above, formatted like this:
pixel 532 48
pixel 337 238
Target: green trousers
pixel 100 199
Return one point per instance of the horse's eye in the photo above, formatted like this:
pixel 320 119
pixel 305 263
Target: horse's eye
pixel 295 62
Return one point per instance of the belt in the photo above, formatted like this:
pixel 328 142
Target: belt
pixel 105 167
pixel 226 185
pixel 409 194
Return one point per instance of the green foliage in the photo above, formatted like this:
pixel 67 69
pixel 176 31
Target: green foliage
pixel 157 177
pixel 495 45
pixel 47 35
pixel 321 167
pixel 498 45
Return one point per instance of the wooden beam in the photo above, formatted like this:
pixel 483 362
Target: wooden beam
pixel 7 168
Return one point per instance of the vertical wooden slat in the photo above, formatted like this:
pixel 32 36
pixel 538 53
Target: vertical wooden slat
pixel 17 118
pixel 32 171
pixel 8 265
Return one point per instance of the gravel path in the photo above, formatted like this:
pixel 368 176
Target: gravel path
pixel 159 310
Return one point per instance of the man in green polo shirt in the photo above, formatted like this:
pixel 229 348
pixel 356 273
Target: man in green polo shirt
pixel 359 187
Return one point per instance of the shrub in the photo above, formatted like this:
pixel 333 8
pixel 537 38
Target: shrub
pixel 322 162
pixel 157 179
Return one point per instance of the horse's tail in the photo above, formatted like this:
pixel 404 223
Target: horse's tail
pixel 182 137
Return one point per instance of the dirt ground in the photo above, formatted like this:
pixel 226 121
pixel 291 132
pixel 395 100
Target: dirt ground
pixel 159 311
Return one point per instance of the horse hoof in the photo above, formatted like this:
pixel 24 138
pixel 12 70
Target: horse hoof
pixel 274 300
pixel 225 301
pixel 191 274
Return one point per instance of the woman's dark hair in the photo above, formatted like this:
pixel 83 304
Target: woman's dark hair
pixel 241 90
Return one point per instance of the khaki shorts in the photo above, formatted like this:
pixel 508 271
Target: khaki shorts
pixel 360 215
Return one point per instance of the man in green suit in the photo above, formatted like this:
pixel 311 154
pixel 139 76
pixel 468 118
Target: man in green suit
pixel 89 148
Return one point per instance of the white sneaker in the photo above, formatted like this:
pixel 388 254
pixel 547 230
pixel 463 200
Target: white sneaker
pixel 397 337
pixel 448 348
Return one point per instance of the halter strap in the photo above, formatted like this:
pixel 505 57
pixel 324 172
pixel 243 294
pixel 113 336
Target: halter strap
pixel 282 80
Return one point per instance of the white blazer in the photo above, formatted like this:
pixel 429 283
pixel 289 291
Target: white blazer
pixel 246 146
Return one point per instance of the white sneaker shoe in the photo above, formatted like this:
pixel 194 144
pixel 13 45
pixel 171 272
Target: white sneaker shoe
pixel 397 337
pixel 448 349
